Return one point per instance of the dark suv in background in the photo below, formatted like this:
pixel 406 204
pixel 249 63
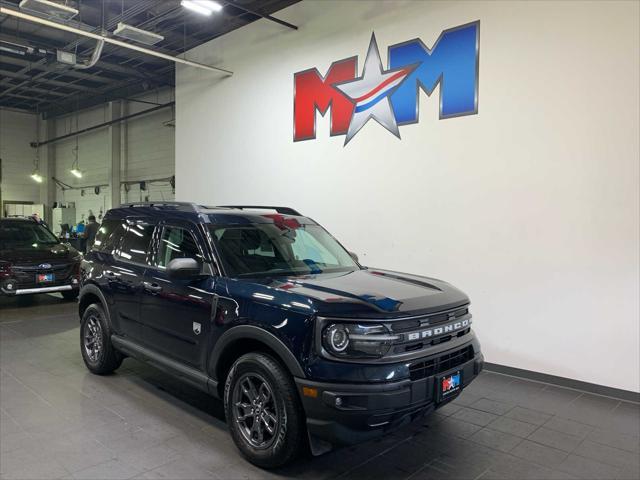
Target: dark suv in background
pixel 267 311
pixel 33 260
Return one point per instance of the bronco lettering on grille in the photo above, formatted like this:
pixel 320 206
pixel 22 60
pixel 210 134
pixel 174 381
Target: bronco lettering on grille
pixel 435 331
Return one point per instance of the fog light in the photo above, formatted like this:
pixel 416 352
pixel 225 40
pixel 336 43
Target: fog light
pixel 74 281
pixel 9 286
pixel 338 401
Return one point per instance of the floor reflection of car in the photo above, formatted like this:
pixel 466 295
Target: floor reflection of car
pixel 33 260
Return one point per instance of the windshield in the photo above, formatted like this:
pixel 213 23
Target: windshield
pixel 24 235
pixel 284 247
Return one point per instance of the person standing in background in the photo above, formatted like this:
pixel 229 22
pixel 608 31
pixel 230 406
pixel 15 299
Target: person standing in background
pixel 90 230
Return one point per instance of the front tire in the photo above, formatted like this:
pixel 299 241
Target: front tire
pixel 263 411
pixel 95 342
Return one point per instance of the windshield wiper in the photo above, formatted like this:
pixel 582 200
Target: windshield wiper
pixel 266 273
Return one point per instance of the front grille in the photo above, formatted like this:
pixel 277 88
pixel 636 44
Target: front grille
pixel 443 317
pixel 434 366
pixel 26 274
pixel 436 319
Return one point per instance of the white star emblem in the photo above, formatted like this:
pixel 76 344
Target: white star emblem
pixel 370 93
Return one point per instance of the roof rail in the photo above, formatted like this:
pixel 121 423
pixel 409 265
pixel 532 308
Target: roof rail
pixel 190 205
pixel 282 210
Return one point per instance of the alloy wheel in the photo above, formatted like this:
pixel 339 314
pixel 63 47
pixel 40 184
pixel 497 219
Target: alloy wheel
pixel 254 410
pixel 93 339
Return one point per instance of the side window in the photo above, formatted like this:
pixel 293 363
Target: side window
pixel 109 235
pixel 135 244
pixel 176 243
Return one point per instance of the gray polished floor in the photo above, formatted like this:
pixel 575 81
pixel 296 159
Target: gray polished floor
pixel 59 421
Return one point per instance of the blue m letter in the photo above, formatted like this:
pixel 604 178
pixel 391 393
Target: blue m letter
pixel 453 62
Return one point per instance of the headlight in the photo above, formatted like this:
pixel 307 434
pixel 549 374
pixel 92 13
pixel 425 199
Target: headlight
pixel 353 340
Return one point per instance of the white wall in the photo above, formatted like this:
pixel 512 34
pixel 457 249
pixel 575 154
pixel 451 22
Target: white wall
pixel 531 206
pixel 17 131
pixel 148 149
pixel 94 161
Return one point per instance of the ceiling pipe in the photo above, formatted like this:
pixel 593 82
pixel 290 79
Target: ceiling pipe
pixel 95 56
pixel 113 41
pixel 102 125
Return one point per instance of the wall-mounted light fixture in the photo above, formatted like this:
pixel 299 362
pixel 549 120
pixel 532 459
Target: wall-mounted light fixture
pixel 35 175
pixel 75 167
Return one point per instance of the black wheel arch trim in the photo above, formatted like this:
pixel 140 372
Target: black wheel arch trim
pixel 93 290
pixel 255 333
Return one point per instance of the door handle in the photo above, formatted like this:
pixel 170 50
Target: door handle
pixel 152 287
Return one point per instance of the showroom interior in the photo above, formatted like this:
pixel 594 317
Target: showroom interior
pixel 492 144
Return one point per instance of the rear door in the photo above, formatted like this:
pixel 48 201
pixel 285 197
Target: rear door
pixel 126 274
pixel 176 314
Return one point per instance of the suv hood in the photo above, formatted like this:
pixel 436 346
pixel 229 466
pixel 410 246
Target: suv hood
pixel 41 253
pixel 372 292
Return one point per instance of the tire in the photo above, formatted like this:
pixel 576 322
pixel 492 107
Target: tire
pixel 94 326
pixel 70 295
pixel 278 399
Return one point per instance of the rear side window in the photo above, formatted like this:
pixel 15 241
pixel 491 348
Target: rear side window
pixel 135 243
pixel 109 235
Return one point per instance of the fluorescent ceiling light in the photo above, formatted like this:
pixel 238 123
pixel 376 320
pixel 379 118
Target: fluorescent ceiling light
pixel 209 4
pixel 203 7
pixel 137 34
pixel 49 8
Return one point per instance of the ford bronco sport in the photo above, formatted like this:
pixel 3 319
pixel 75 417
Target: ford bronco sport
pixel 267 311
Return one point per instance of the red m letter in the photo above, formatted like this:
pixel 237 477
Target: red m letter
pixel 314 92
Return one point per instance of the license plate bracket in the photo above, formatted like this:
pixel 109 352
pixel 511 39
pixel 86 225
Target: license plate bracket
pixel 448 386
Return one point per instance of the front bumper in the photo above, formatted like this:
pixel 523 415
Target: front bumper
pixel 349 413
pixel 16 289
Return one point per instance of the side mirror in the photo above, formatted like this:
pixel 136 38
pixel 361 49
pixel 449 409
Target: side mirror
pixel 183 268
pixel 354 256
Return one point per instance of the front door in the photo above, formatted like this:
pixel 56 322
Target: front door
pixel 176 314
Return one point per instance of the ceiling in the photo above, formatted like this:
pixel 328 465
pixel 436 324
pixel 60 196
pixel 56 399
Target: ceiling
pixel 34 81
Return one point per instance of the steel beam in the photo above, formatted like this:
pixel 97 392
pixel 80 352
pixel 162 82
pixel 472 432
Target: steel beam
pixel 265 16
pixel 114 145
pixel 103 125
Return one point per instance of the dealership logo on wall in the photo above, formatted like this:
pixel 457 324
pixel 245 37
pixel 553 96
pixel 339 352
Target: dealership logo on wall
pixel 391 96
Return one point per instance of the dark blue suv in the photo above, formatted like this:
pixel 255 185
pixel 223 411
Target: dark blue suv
pixel 263 308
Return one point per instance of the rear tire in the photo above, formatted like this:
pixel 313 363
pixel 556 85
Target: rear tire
pixel 95 342
pixel 263 411
pixel 70 295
